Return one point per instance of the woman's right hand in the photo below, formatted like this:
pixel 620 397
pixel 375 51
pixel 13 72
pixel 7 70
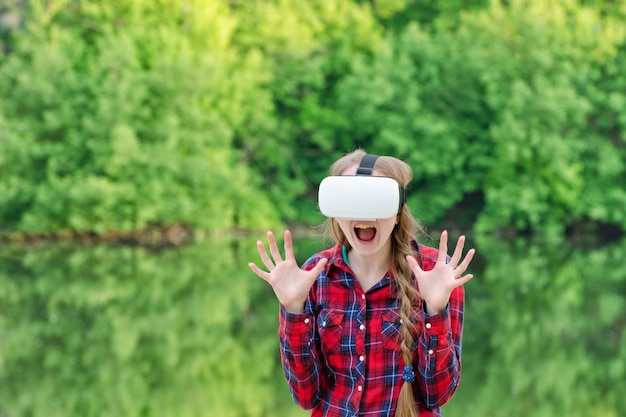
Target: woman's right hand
pixel 290 283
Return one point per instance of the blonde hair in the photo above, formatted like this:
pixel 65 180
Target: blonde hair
pixel 407 293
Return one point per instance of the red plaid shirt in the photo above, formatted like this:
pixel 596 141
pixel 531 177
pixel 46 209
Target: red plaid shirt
pixel 342 357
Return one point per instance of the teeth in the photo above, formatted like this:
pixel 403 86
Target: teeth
pixel 363 226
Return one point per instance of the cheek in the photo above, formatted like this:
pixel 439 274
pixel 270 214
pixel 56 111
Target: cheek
pixel 387 229
pixel 345 228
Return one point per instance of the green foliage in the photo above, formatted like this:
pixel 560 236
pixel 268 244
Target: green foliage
pixel 403 102
pixel 540 131
pixel 217 114
pixel 442 13
pixel 499 107
pixel 307 47
pixel 124 127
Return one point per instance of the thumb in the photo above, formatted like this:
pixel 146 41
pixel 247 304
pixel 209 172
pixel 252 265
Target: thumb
pixel 321 264
pixel 413 263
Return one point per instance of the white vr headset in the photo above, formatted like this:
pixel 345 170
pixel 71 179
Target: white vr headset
pixel 361 196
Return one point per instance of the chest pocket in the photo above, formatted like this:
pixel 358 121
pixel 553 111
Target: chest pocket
pixel 391 329
pixel 391 336
pixel 330 328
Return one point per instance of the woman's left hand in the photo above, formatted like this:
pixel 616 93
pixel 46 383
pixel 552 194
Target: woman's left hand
pixel 436 285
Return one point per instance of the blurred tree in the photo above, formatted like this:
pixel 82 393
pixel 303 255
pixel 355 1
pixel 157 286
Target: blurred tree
pixel 115 118
pixel 307 48
pixel 220 114
pixel 397 14
pixel 420 100
pixel 538 77
pixel 494 115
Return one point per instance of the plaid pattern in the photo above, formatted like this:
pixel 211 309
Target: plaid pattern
pixel 342 356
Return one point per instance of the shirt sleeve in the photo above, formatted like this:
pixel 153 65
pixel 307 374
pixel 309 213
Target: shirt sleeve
pixel 439 352
pixel 299 356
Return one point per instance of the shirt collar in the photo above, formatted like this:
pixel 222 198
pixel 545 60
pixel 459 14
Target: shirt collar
pixel 345 277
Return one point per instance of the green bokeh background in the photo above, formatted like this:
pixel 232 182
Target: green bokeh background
pixel 145 146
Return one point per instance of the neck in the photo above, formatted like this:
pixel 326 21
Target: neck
pixel 369 269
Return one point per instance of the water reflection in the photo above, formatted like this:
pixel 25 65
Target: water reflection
pixel 545 333
pixel 114 330
pixel 121 331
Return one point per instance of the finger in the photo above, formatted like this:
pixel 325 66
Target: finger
pixel 288 246
pixel 319 267
pixel 413 264
pixel 465 264
pixel 264 257
pixel 260 273
pixel 274 248
pixel 462 280
pixel 458 251
pixel 443 247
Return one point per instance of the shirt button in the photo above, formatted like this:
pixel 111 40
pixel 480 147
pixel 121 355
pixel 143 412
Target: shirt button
pixel 428 325
pixel 363 296
pixel 359 388
pixel 362 327
pixel 361 358
pixel 306 320
pixel 430 352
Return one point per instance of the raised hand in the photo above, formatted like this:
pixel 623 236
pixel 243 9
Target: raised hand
pixel 437 284
pixel 290 283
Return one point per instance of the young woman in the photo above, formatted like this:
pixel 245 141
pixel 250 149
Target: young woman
pixel 372 326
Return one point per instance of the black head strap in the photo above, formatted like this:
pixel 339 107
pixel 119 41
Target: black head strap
pixel 367 165
pixel 402 197
pixel 367 168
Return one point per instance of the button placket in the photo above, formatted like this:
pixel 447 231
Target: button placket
pixel 361 336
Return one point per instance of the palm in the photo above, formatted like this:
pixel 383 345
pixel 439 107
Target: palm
pixel 290 283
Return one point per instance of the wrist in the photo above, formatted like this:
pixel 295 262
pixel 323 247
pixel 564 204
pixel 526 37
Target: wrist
pixel 433 310
pixel 294 308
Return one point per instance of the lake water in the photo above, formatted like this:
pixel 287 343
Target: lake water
pixel 115 330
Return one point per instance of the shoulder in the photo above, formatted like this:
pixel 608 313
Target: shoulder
pixel 331 254
pixel 426 255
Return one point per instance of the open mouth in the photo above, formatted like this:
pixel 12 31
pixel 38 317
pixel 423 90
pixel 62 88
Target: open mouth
pixel 365 232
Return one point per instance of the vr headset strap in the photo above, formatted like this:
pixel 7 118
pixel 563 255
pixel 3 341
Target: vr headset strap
pixel 367 165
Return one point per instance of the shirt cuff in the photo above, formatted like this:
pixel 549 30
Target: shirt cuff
pixel 291 324
pixel 437 328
